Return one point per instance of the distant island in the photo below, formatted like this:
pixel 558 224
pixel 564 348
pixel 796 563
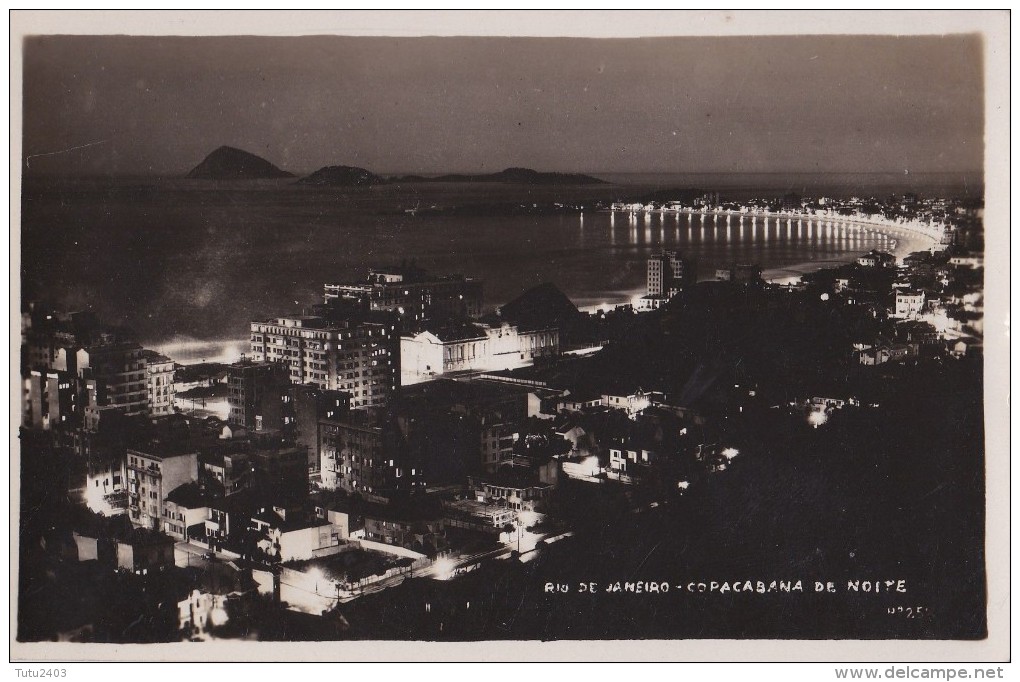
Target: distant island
pixel 341 176
pixel 229 163
pixel 520 176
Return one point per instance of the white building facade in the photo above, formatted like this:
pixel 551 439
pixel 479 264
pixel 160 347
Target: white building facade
pixel 159 382
pixel 472 347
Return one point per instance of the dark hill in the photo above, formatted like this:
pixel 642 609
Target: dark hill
pixel 228 163
pixel 341 176
pixel 541 306
pixel 520 176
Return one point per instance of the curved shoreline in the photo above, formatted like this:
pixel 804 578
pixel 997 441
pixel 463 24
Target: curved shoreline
pixel 869 222
pixel 904 247
pixel 907 241
pixel 186 350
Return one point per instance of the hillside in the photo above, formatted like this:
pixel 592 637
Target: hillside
pixel 341 176
pixel 229 163
pixel 520 176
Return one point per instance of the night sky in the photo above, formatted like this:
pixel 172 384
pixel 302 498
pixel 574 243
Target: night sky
pixel 157 105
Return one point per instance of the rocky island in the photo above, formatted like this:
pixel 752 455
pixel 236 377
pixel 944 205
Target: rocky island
pixel 341 176
pixel 230 163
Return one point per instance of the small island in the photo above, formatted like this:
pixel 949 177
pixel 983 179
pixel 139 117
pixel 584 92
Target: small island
pixel 519 176
pixel 230 163
pixel 341 176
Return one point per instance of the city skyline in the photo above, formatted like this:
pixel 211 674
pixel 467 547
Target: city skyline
pixel 714 368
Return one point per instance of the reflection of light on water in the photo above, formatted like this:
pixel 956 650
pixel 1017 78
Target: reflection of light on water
pixel 817 417
pixel 188 351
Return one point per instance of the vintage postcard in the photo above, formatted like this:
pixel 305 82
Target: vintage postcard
pixel 588 335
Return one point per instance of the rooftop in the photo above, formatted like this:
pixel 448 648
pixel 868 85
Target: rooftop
pixel 165 449
pixel 217 456
pixel 334 500
pixel 582 396
pixel 247 501
pixel 116 347
pixel 351 565
pixel 458 332
pixel 155 357
pixel 406 511
pixel 513 477
pixel 365 418
pixel 189 496
pixel 143 537
pixel 298 321
pixel 476 508
pixel 448 391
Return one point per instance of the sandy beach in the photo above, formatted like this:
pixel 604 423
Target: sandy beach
pixel 905 243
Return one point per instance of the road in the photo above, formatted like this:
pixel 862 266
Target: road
pixel 187 554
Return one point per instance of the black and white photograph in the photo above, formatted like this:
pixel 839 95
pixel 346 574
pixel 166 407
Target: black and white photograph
pixel 416 337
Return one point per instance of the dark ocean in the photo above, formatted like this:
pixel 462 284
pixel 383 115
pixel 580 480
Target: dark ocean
pixel 189 263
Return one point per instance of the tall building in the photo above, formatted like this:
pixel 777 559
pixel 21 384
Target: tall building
pixel 311 404
pixel 152 473
pixel 352 355
pixel 668 273
pixel 48 335
pixel 76 370
pixel 257 393
pixel 106 490
pixel 118 370
pixel 414 294
pixel 226 469
pixel 454 428
pixel 279 471
pixel 159 379
pixel 656 275
pixel 435 433
pixel 361 452
pixel 50 400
